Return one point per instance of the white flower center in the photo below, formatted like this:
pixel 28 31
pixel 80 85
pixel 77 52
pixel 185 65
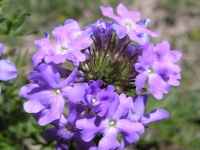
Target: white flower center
pixel 76 34
pixel 57 91
pixel 128 23
pixel 112 122
pixel 94 100
pixel 150 70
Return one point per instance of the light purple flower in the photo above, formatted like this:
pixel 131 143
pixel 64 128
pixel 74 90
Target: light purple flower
pixel 8 70
pixel 47 98
pixel 70 40
pixel 157 73
pixel 126 23
pixel 110 126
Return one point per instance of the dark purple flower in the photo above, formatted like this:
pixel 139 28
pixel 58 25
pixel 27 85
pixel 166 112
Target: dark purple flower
pixel 65 130
pixel 47 98
pixel 99 100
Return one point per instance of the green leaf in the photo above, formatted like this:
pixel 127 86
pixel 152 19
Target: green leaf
pixel 2 20
pixel 8 25
pixel 16 14
pixel 18 23
pixel 24 32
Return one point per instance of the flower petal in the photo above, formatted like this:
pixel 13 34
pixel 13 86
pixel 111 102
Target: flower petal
pixel 75 92
pixel 8 70
pixel 91 126
pixel 46 74
pixel 109 140
pixel 154 116
pixel 130 130
pixel 140 80
pixel 50 134
pixel 108 12
pixel 139 104
pixel 54 113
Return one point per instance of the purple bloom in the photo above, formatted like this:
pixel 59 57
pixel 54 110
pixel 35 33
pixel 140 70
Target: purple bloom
pixel 65 130
pixel 156 72
pixel 8 70
pixel 99 100
pixel 110 126
pixel 126 23
pixel 102 31
pixel 136 114
pixel 47 98
pixel 70 40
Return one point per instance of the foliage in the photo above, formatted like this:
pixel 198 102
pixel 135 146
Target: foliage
pixel 11 25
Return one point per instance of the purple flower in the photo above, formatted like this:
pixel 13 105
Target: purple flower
pixel 126 23
pixel 102 31
pixel 136 114
pixel 65 130
pixel 47 98
pixel 110 126
pixel 70 40
pixel 157 73
pixel 99 100
pixel 8 70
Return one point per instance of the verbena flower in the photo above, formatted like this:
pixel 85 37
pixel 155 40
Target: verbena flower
pixel 70 40
pixel 112 61
pixel 114 123
pixel 47 97
pixel 157 72
pixel 126 23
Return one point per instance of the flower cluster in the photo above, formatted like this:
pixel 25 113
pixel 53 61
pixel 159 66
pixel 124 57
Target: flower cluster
pixel 8 70
pixel 110 60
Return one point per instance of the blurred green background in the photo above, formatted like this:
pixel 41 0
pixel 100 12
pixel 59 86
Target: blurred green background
pixel 177 21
